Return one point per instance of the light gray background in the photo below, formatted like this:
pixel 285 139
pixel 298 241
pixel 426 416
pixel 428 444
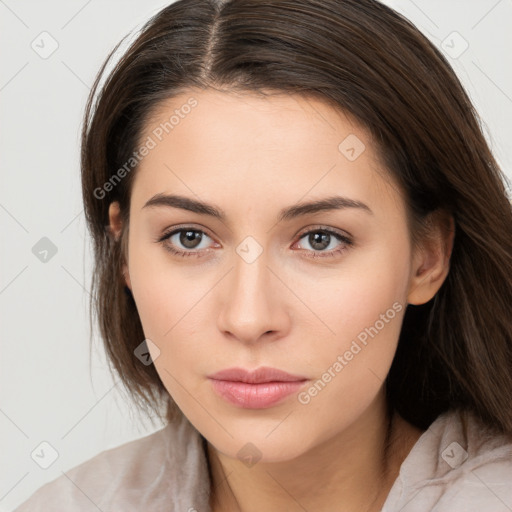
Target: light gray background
pixel 49 389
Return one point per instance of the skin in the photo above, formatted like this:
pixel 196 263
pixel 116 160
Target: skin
pixel 251 157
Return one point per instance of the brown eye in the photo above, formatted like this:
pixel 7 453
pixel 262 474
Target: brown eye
pixel 324 243
pixel 319 240
pixel 185 241
pixel 190 238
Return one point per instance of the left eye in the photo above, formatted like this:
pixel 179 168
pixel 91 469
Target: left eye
pixel 324 240
pixel 321 241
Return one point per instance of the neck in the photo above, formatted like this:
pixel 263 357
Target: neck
pixel 354 468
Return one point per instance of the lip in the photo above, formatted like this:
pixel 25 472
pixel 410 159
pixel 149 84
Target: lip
pixel 258 389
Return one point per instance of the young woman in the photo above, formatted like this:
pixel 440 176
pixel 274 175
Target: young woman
pixel 303 250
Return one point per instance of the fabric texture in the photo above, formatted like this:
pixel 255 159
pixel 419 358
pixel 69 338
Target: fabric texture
pixel 163 472
pixel 457 465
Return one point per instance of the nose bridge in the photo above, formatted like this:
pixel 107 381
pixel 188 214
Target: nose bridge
pixel 251 268
pixel 252 305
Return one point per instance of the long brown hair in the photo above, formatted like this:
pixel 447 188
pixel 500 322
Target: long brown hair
pixel 365 59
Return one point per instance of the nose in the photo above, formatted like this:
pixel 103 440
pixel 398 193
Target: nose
pixel 254 302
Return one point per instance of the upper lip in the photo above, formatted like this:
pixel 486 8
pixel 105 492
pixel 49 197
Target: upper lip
pixel 258 376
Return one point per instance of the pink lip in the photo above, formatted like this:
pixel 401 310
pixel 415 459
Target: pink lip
pixel 258 389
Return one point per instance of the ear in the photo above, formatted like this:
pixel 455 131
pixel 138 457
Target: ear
pixel 431 260
pixel 115 227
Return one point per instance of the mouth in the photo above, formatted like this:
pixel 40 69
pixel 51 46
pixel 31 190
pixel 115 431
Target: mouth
pixel 257 389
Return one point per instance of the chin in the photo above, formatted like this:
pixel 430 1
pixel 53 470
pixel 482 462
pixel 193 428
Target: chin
pixel 259 441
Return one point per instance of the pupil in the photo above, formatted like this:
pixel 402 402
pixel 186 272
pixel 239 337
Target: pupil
pixel 188 238
pixel 319 240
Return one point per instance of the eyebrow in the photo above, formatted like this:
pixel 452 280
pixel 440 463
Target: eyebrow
pixel 291 212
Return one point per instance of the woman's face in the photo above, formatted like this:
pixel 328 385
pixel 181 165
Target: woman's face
pixel 318 292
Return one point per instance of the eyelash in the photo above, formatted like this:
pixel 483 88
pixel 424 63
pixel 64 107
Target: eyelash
pixel 315 254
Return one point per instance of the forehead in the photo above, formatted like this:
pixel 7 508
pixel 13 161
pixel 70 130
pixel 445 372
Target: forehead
pixel 252 119
pixel 290 146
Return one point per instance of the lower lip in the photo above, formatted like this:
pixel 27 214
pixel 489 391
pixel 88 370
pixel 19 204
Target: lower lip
pixel 255 396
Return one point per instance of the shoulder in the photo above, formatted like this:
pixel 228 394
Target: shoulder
pixel 458 464
pixel 145 474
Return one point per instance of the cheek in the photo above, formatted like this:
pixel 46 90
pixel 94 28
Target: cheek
pixel 157 303
pixel 365 301
pixel 170 306
pixel 363 309
pixel 161 289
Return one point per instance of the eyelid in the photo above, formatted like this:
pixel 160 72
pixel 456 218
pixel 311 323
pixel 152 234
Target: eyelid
pixel 329 229
pixel 182 227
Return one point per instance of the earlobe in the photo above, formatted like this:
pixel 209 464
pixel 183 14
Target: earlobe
pixel 424 286
pixel 431 263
